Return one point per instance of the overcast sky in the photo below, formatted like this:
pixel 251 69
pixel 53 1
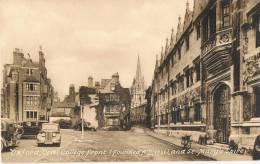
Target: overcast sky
pixel 87 37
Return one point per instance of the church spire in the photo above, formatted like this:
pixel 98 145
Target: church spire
pixel 138 87
pixel 138 74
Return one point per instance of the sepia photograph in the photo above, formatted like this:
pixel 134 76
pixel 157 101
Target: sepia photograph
pixel 129 80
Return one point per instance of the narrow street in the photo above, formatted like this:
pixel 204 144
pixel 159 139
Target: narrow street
pixel 133 145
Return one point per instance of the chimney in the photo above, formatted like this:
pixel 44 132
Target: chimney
pixel 18 57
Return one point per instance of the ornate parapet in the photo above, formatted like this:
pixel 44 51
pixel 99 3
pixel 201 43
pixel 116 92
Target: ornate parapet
pixel 251 68
pixel 222 37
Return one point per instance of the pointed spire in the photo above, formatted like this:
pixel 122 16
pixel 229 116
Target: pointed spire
pixel 172 42
pixel 40 48
pixel 166 47
pixel 138 74
pixel 187 5
pixel 162 54
pixel 179 28
pixel 156 63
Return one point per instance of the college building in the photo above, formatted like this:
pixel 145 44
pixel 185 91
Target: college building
pixel 27 93
pixel 207 79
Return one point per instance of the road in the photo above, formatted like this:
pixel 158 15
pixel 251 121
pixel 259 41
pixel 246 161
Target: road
pixel 133 145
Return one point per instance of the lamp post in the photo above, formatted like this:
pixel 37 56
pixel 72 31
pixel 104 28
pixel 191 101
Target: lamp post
pixel 82 121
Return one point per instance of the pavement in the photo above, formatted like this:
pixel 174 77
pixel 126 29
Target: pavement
pixel 214 152
pixel 110 146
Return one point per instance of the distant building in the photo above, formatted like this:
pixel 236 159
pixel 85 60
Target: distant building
pixel 90 82
pixel 104 83
pixel 114 102
pixel 138 87
pixel 27 92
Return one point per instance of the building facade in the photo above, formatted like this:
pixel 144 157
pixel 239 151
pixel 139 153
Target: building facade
pixel 207 78
pixel 27 92
pixel 114 104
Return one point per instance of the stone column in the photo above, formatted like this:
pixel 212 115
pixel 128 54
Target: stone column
pixel 191 116
pixel 218 15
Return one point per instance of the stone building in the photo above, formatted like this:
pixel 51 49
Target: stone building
pixel 27 92
pixel 138 87
pixel 207 78
pixel 114 104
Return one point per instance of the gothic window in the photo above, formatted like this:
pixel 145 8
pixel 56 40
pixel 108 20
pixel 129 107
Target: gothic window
pixel 178 115
pixel 187 78
pixel 187 41
pixel 191 77
pixel 212 22
pixel 179 53
pixel 197 112
pixel 198 30
pixel 197 69
pixel 187 114
pixel 257 28
pixel 205 29
pixel 225 14
pixel 181 84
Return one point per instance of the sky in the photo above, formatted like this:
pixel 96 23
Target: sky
pixel 89 37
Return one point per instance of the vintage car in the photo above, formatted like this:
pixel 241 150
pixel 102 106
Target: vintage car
pixel 65 124
pixel 10 133
pixel 87 126
pixel 49 134
pixel 31 128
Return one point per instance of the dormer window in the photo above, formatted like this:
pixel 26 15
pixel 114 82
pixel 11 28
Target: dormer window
pixel 225 14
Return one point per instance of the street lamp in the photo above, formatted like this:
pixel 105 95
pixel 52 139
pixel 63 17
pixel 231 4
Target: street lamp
pixel 81 104
pixel 82 122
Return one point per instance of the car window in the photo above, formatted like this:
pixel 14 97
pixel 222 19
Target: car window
pixel 50 127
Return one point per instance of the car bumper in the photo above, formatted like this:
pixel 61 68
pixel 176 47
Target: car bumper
pixel 53 141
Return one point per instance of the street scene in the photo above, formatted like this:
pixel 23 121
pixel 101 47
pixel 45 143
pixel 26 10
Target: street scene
pixel 83 82
pixel 101 146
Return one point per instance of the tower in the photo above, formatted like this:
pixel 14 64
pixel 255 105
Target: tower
pixel 138 87
pixel 90 82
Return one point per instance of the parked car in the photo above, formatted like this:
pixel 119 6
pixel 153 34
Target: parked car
pixel 87 125
pixel 49 134
pixel 256 150
pixel 9 134
pixel 65 124
pixel 31 128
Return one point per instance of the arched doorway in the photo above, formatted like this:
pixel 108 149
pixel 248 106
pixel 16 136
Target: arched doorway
pixel 222 113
